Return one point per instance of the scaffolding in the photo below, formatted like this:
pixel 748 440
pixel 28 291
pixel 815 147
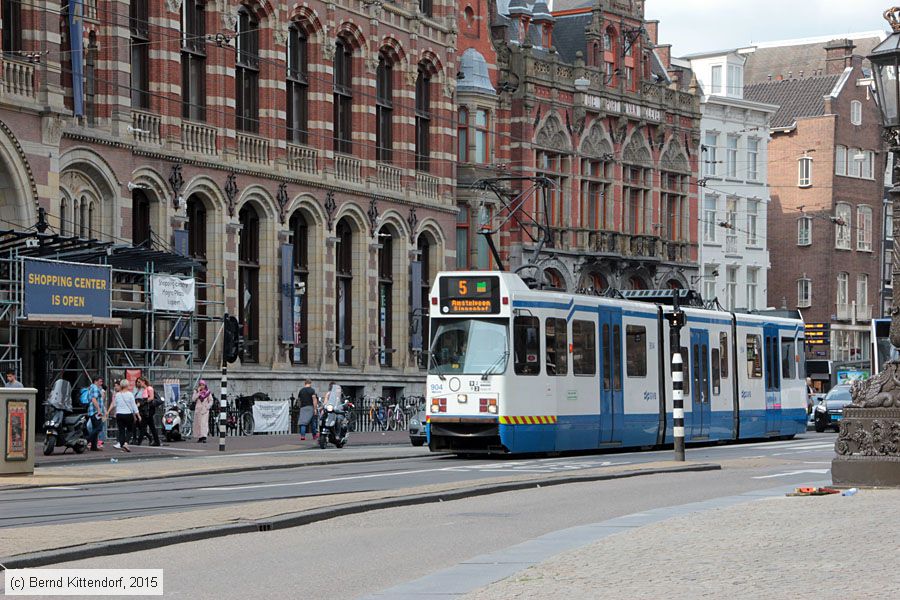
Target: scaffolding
pixel 164 346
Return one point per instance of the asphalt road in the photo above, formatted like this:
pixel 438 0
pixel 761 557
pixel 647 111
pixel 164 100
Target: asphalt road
pixel 350 557
pixel 68 504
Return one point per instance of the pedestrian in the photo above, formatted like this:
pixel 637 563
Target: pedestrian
pixel 127 415
pixel 145 398
pixel 202 400
pixel 309 408
pixel 11 381
pixel 96 412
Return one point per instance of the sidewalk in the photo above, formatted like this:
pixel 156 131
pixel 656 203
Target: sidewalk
pixel 780 547
pixel 236 444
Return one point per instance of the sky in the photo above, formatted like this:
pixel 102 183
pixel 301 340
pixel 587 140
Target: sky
pixel 706 25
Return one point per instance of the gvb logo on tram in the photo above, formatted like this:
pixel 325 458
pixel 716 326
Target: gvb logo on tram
pixel 517 370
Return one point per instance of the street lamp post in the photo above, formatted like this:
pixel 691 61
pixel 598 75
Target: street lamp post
pixel 868 445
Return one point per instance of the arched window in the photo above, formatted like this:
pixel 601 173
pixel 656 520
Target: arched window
pixel 385 297
pixel 300 240
pixel 63 215
pixel 674 284
pixel 384 109
pixel 91 232
pixel 297 85
pixel 343 259
pixel 462 135
pixel 554 280
pixel 196 237
pixel 636 283
pixel 425 247
pixel 248 281
pixel 423 119
pixel 343 97
pixel 83 218
pixel 246 72
pixel 140 218
pixel 598 282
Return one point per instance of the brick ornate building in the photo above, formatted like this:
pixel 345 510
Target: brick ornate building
pixel 235 132
pixel 826 169
pixel 581 96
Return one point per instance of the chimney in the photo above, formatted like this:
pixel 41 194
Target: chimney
pixel 838 56
pixel 652 28
pixel 664 52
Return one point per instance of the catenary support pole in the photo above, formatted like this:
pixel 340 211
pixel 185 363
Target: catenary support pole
pixel 678 404
pixel 223 404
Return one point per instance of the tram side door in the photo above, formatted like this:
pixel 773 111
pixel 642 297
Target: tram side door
pixel 772 374
pixel 612 398
pixel 700 378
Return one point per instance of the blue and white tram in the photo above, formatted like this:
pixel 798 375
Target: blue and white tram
pixel 516 370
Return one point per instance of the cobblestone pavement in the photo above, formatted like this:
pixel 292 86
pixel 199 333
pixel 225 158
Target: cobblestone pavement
pixel 819 547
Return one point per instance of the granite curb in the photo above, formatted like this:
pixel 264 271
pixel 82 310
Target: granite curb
pixel 134 544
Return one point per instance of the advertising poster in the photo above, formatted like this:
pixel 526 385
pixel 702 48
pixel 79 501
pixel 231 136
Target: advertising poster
pixel 16 430
pixel 132 374
pixel 172 391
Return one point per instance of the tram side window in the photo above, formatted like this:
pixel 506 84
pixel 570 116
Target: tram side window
pixel 557 346
pixel 788 359
pixel 617 353
pixel 723 345
pixel 527 345
pixel 685 370
pixel 584 348
pixel 754 356
pixel 716 368
pixel 636 351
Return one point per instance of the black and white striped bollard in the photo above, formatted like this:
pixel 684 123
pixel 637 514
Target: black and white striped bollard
pixel 678 405
pixel 223 405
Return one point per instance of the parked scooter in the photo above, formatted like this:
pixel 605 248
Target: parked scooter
pixel 333 426
pixel 63 428
pixel 176 422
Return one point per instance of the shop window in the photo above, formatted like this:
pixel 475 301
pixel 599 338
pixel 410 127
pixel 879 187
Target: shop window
pixel 300 240
pixel 344 305
pixel 248 281
pixel 385 297
pixel 140 219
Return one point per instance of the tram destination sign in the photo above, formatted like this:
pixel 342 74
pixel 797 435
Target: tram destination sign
pixel 63 288
pixel 470 295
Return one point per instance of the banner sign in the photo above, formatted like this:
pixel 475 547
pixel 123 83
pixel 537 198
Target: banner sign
pixel 62 288
pixel 287 293
pixel 76 41
pixel 271 417
pixel 172 293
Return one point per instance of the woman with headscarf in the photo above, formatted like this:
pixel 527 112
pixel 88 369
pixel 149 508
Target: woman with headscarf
pixel 202 403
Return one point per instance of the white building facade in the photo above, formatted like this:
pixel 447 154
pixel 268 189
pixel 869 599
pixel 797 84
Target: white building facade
pixel 734 196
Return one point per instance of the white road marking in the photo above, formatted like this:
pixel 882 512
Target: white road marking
pixel 789 473
pixel 332 480
pixel 62 487
pixel 171 448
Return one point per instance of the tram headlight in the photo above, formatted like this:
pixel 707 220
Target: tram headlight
pixel 492 406
pixel 435 408
pixel 462 398
pixel 821 408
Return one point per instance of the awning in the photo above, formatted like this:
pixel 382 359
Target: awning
pixel 71 321
pixel 52 246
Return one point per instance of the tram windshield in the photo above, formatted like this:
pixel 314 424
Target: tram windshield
pixel 468 347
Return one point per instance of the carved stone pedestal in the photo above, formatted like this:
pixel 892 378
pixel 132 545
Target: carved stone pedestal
pixel 868 448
